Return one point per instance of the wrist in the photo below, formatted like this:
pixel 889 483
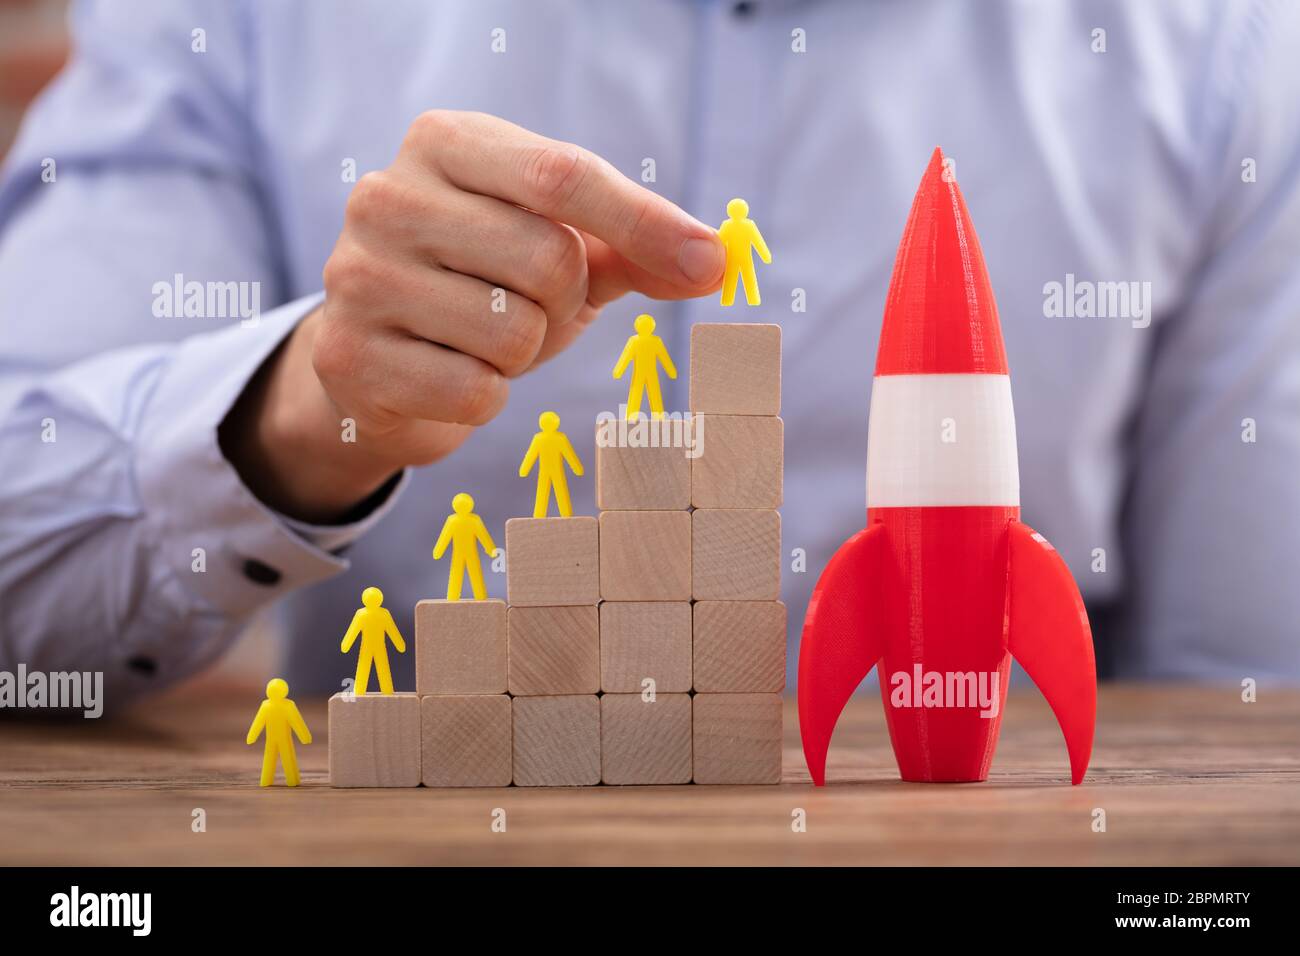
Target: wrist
pixel 291 445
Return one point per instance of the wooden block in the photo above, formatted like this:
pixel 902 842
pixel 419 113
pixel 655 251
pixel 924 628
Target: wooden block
pixel 736 555
pixel 739 647
pixel 649 478
pixel 645 639
pixel 374 740
pixel 557 741
pixel 645 742
pixel 645 555
pixel 737 738
pixel 552 561
pixel 736 369
pixel 465 741
pixel 554 651
pixel 460 647
pixel 741 462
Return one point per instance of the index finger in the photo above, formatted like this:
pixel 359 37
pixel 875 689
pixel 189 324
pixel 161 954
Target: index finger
pixel 488 155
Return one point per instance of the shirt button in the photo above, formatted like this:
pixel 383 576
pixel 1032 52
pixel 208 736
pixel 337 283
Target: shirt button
pixel 143 665
pixel 260 573
pixel 742 8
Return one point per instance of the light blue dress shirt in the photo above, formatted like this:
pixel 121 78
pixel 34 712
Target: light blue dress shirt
pixel 1164 149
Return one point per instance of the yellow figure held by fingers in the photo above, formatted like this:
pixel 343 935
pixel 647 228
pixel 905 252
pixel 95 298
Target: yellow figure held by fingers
pixel 645 352
pixel 464 531
pixel 549 450
pixel 741 238
pixel 279 717
pixel 374 625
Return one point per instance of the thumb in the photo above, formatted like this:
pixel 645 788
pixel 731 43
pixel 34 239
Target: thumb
pixel 610 275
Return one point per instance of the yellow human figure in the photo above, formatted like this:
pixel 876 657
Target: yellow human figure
pixel 741 237
pixel 278 716
pixel 464 531
pixel 549 450
pixel 374 624
pixel 646 352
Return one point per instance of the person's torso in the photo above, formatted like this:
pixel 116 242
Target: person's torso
pixel 822 116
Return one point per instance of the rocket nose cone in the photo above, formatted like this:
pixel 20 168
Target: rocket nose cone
pixel 936 161
pixel 940 315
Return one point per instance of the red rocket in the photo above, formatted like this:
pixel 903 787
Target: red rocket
pixel 945 584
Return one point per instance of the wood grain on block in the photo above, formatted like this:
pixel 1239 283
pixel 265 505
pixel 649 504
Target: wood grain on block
pixel 466 741
pixel 741 462
pixel 645 639
pixel 735 369
pixel 460 647
pixel 645 555
pixel 645 742
pixel 374 740
pixel 552 561
pixel 739 647
pixel 736 555
pixel 557 741
pixel 737 738
pixel 554 650
pixel 649 478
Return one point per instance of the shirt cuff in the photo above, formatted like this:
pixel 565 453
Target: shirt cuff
pixel 220 542
pixel 335 537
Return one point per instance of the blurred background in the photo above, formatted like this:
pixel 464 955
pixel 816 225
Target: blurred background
pixel 33 46
pixel 1112 196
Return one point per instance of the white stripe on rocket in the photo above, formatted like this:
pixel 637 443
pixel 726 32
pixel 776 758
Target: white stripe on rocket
pixel 943 441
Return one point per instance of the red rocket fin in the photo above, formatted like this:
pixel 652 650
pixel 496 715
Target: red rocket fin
pixel 841 641
pixel 1050 637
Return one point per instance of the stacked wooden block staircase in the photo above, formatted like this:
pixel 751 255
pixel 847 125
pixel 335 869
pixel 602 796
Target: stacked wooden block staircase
pixel 643 646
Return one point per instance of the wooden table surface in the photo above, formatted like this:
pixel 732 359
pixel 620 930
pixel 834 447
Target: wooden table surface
pixel 1186 775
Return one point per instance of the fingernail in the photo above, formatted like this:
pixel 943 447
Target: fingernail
pixel 700 259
